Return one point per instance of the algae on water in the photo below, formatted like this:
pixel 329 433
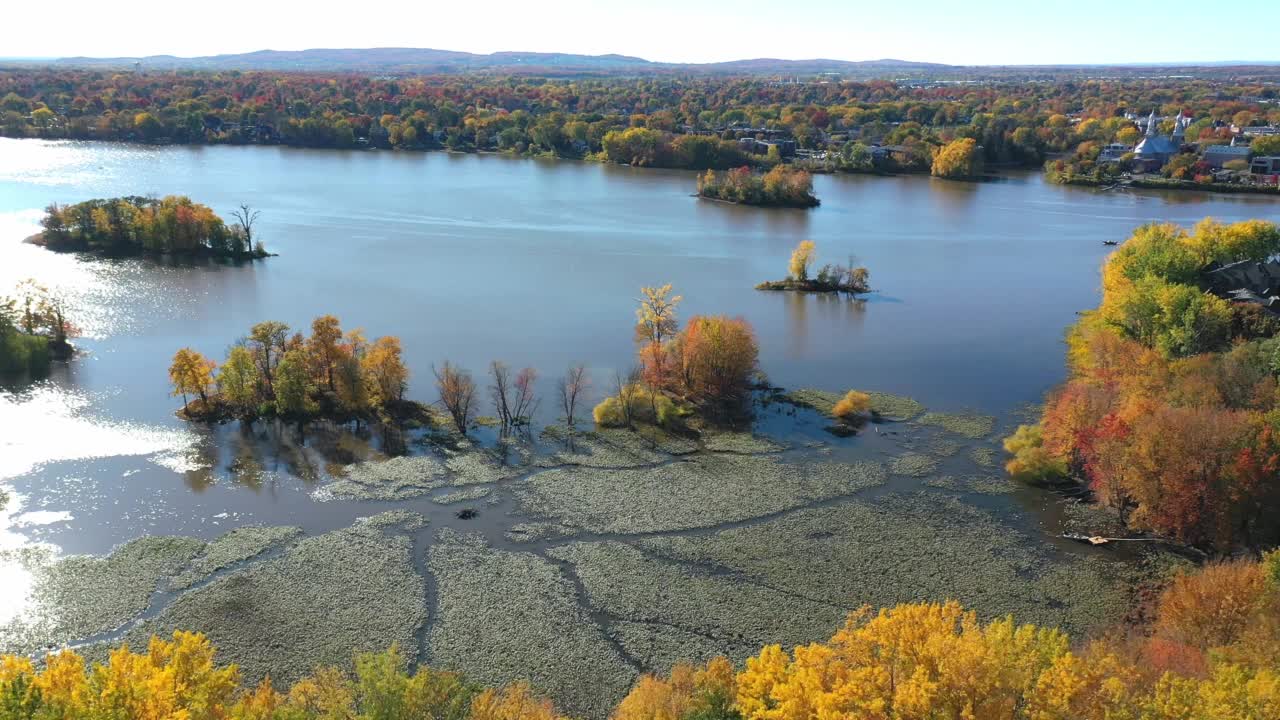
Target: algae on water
pixel 325 598
pixel 499 609
pixel 970 426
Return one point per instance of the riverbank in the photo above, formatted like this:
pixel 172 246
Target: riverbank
pixel 1167 184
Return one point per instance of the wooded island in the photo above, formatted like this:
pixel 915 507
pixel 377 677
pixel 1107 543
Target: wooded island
pixel 143 225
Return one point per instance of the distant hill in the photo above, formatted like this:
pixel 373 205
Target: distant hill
pixel 427 60
pixel 431 61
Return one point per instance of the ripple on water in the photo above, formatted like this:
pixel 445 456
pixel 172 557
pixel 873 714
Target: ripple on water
pixel 39 421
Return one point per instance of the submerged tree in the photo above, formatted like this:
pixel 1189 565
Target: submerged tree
pixel 457 394
pixel 575 382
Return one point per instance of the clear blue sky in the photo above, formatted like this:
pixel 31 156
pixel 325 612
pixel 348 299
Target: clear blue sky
pixel 975 32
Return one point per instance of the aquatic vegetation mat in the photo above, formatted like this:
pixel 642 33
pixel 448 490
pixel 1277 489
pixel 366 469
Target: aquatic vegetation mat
pixel 726 611
pixel 478 467
pixel 743 443
pixel 406 520
pixel 980 484
pixel 325 598
pixel 463 495
pixel 606 448
pixel 700 491
pixel 505 616
pixel 913 464
pixel 399 478
pixel 894 407
pixel 970 426
pixel 75 597
pixel 659 647
pixel 534 531
pixel 911 547
pixel 885 405
pixel 983 456
pixel 236 546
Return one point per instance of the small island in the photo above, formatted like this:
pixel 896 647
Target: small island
pixel 332 375
pixel 33 330
pixel 173 225
pixel 783 186
pixel 830 278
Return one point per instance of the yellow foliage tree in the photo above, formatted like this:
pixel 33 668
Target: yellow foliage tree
pixel 852 405
pixel 801 259
pixel 958 159
pixel 191 373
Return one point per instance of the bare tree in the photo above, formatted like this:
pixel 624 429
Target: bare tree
pixel 574 383
pixel 499 391
pixel 457 394
pixel 246 216
pixel 526 402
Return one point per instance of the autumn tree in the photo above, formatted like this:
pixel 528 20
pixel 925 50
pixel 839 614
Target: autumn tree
pixel 293 387
pixel 958 159
pixel 386 371
pixel 718 359
pixel 801 258
pixel 266 343
pixel 191 373
pixel 457 394
pixel 238 382
pixel 353 389
pixel 852 406
pixel 656 324
pixel 39 310
pixel 325 347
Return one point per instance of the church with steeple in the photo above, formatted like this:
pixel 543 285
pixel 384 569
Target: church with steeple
pixel 1154 150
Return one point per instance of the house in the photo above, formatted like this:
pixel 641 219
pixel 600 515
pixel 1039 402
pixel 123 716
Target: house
pixel 1216 156
pixel 1113 152
pixel 1265 165
pixel 786 148
pixel 1255 130
pixel 1241 280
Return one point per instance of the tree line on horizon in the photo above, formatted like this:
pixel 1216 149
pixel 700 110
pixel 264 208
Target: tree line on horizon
pixel 1013 123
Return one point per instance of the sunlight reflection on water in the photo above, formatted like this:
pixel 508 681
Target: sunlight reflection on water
pixel 16 577
pixel 39 422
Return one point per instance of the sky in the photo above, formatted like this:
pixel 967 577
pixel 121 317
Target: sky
pixel 978 32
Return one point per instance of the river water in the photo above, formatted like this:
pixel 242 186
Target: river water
pixel 473 258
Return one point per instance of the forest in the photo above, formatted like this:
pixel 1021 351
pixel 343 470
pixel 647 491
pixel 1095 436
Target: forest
pixel 1169 415
pixel 126 225
pixel 1208 652
pixel 667 121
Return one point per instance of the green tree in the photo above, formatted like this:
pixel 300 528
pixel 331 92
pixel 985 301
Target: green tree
pixel 148 125
pixel 238 382
pixel 293 386
pixel 1266 145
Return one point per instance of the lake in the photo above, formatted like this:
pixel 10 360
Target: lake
pixel 473 258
